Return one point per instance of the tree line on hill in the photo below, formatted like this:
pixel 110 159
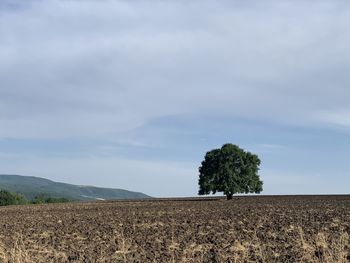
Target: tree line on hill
pixel 9 198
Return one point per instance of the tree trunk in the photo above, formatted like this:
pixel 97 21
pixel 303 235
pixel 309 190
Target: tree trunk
pixel 229 196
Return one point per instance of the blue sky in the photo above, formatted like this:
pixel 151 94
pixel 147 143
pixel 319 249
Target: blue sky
pixel 131 94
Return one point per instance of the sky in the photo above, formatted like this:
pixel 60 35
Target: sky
pixel 132 93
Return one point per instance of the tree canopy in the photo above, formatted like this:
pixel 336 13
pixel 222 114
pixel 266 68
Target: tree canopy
pixel 230 170
pixel 8 198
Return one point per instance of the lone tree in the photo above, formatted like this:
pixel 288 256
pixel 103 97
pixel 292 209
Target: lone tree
pixel 230 170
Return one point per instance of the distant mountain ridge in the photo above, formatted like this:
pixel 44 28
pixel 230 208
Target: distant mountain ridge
pixel 31 186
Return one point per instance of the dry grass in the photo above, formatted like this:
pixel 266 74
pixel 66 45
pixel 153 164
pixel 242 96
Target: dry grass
pixel 322 247
pixel 17 252
pixel 157 232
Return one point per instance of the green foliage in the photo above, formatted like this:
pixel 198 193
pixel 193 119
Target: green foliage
pixel 46 199
pixel 230 170
pixel 39 199
pixel 52 200
pixel 8 198
pixel 20 199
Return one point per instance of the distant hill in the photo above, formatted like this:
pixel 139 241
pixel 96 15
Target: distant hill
pixel 31 186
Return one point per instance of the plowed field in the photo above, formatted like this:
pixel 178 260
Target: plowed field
pixel 245 229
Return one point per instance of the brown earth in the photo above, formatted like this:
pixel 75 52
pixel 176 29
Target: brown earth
pixel 245 229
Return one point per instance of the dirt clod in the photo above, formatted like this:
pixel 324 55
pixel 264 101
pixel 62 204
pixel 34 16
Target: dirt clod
pixel 245 229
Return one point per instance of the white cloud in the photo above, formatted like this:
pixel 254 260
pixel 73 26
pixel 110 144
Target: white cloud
pixel 70 68
pixel 337 117
pixel 291 182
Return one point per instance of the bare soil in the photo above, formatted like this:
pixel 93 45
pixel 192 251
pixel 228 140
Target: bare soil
pixel 245 229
